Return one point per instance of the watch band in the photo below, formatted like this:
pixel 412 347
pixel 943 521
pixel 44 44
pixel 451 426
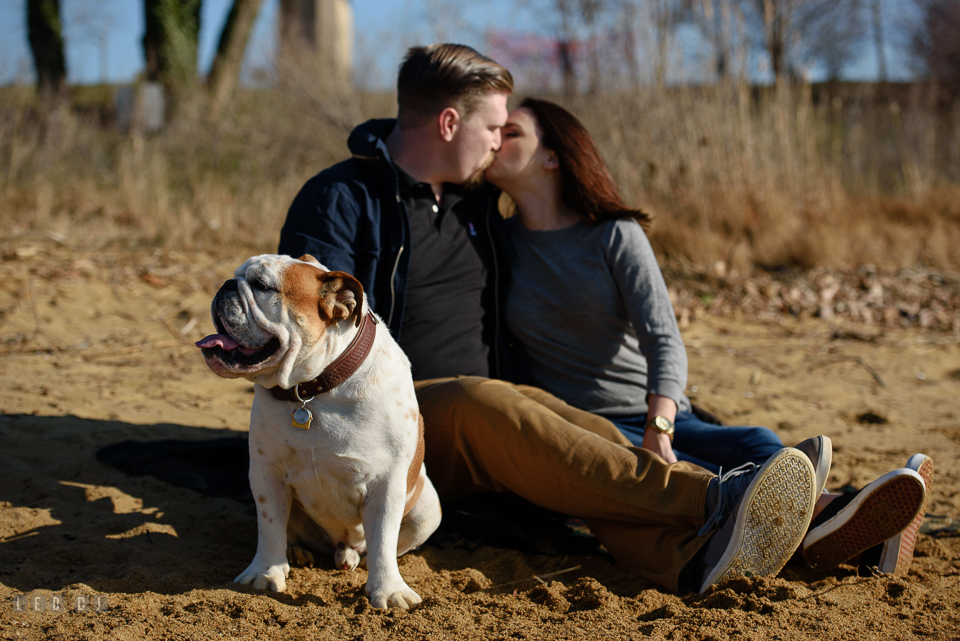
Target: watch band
pixel 663 425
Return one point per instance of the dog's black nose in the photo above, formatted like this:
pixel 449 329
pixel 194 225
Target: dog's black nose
pixel 230 285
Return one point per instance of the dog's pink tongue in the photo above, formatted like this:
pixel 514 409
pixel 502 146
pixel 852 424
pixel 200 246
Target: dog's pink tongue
pixel 218 340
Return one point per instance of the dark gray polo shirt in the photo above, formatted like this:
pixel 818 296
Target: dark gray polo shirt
pixel 447 289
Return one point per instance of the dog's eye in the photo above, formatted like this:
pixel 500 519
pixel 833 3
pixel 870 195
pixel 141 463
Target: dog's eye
pixel 259 285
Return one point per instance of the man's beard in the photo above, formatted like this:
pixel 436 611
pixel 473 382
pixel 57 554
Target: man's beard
pixel 477 178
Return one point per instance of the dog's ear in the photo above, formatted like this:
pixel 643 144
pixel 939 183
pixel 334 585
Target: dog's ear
pixel 307 258
pixel 341 296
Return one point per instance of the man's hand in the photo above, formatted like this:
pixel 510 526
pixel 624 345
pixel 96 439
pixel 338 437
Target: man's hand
pixel 659 443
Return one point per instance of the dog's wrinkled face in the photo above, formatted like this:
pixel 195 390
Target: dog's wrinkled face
pixel 273 316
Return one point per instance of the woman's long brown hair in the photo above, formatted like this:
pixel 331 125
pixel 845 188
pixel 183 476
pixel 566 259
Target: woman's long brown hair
pixel 586 184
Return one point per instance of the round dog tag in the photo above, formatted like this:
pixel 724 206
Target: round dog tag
pixel 302 418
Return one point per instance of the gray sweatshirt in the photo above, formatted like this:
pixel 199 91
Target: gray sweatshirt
pixel 591 307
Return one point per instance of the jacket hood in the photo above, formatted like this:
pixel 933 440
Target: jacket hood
pixel 369 140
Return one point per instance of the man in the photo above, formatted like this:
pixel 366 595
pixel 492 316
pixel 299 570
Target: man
pixel 407 217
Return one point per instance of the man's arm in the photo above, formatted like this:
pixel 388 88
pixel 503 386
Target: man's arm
pixel 323 221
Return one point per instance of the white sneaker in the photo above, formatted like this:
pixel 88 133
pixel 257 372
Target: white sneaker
pixel 856 522
pixel 895 555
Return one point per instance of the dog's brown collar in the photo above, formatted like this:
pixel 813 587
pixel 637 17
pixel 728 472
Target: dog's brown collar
pixel 339 370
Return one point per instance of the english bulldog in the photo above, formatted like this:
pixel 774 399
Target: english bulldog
pixel 336 436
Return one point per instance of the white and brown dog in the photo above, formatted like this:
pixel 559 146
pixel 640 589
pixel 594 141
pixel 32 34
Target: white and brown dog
pixel 336 438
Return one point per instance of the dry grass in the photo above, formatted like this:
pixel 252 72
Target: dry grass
pixel 779 179
pixel 747 178
pixel 226 185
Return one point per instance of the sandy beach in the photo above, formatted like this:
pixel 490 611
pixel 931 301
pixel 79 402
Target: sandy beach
pixel 97 348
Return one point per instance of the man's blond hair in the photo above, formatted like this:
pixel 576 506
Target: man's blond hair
pixel 438 76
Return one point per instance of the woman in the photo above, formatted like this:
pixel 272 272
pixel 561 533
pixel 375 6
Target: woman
pixel 588 300
pixel 589 303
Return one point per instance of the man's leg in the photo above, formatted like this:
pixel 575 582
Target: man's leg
pixel 640 549
pixel 484 434
pixel 586 420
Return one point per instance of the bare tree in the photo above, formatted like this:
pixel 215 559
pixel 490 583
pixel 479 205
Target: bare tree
pixel 773 27
pixel 574 24
pixel 831 32
pixel 170 45
pixel 935 41
pixel 878 39
pixel 666 16
pixel 628 20
pixel 91 21
pixel 314 61
pixel 46 44
pixel 567 19
pixel 714 20
pixel 318 34
pixel 797 32
pixel 225 71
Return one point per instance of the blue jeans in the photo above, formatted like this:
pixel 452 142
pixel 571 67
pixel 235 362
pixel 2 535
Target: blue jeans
pixel 707 445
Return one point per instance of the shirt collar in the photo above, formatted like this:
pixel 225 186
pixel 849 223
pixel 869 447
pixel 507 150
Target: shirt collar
pixel 406 181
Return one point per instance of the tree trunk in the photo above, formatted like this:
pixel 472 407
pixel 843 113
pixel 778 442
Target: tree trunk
pixel 46 45
pixel 233 43
pixel 775 23
pixel 170 45
pixel 663 48
pixel 878 41
pixel 663 21
pixel 318 34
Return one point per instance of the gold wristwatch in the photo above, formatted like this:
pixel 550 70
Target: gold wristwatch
pixel 662 424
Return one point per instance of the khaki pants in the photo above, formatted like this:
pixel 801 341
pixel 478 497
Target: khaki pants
pixel 484 434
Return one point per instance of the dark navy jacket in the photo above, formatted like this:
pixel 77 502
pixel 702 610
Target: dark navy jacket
pixel 350 217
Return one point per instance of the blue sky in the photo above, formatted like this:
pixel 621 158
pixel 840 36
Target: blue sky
pixel 385 28
pixel 103 36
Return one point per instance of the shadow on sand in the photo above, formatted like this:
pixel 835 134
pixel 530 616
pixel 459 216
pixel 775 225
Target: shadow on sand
pixel 166 508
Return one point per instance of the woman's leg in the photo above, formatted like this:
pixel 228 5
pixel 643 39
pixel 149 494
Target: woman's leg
pixel 710 446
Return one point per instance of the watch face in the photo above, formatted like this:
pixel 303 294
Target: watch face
pixel 663 424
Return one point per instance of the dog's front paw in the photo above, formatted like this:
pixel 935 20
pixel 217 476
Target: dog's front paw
pixel 346 557
pixel 393 595
pixel 265 577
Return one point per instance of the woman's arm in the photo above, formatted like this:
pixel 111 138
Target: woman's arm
pixel 647 303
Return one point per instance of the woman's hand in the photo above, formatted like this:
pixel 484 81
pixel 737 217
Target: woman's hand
pixel 659 443
pixel 653 439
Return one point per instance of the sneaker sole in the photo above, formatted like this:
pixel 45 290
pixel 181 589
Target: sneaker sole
pixel 882 510
pixel 771 519
pixel 897 554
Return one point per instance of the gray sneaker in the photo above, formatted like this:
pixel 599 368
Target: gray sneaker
pixel 819 450
pixel 771 510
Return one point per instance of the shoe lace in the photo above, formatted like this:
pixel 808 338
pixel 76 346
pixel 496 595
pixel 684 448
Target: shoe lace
pixel 730 489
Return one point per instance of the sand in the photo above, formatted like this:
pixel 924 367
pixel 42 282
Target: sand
pixel 96 348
